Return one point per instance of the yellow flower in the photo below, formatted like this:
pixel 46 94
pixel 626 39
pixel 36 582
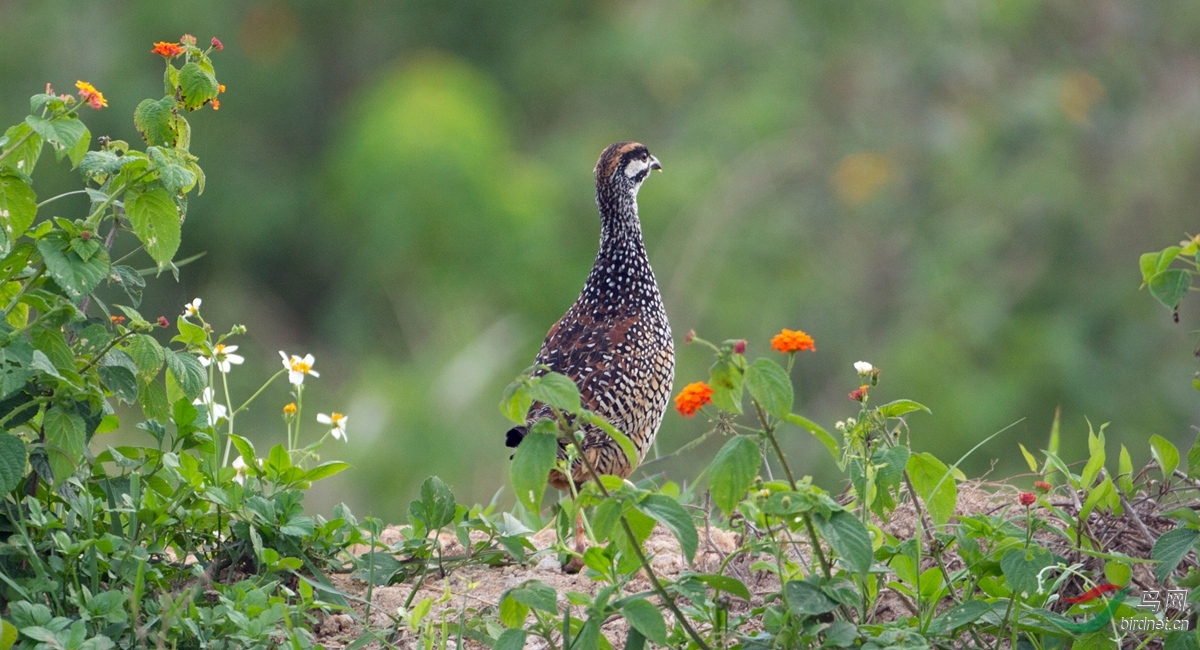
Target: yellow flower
pixel 89 94
pixel 290 409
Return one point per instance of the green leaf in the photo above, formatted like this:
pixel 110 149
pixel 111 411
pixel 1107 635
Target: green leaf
pixel 8 635
pixel 12 462
pixel 935 484
pixel 246 449
pixel 1029 459
pixel 325 470
pixel 1118 572
pixel 1165 453
pixel 645 618
pixel 538 595
pixel 732 472
pixel 900 407
pixel 672 515
pixel 1095 496
pixel 1021 567
pixel 153 397
pixel 130 281
pixel 511 639
pixel 727 584
pixel 76 277
pixel 16 360
pixel 849 538
pixel 618 436
pixel 196 85
pixel 770 386
pixel 155 220
pixel 515 402
pixel 146 353
pixel 18 205
pixel 22 157
pixel 436 507
pixel 187 371
pixel 806 598
pixel 65 439
pixel 557 390
pixel 155 120
pixel 956 617
pixel 531 467
pixel 173 175
pixel 1125 472
pixel 512 612
pixel 818 432
pixel 121 382
pixel 1170 550
pixel 727 380
pixel 1170 286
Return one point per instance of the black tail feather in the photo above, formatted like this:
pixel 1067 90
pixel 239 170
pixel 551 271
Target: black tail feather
pixel 514 436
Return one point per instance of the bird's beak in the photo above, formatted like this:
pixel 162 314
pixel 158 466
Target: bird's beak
pixel 654 164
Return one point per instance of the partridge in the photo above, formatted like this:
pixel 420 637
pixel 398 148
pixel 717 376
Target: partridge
pixel 614 342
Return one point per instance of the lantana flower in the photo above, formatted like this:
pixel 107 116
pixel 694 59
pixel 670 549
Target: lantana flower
pixel 788 341
pixel 192 308
pixel 337 423
pixel 297 367
pixel 692 398
pixel 1027 498
pixel 169 50
pixel 89 94
pixel 216 410
pixel 223 356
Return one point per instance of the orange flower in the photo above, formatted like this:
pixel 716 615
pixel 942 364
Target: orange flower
pixel 289 408
pixel 216 104
pixel 89 94
pixel 793 341
pixel 117 320
pixel 220 88
pixel 692 398
pixel 169 50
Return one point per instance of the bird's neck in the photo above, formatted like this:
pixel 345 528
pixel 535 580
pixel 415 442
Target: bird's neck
pixel 620 229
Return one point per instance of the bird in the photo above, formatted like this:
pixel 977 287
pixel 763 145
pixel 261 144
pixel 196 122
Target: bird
pixel 615 341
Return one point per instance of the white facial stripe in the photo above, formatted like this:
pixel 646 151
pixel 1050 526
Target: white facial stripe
pixel 635 167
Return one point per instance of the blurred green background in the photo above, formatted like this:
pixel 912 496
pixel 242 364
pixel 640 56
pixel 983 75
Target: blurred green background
pixel 954 191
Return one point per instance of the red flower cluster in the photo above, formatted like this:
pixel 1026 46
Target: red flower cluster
pixel 1042 486
pixel 1027 498
pixel 859 394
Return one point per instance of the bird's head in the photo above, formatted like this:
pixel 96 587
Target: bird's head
pixel 623 166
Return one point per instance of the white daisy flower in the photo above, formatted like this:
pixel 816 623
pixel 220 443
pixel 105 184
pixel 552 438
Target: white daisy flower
pixel 863 368
pixel 216 410
pixel 337 422
pixel 192 308
pixel 223 355
pixel 298 367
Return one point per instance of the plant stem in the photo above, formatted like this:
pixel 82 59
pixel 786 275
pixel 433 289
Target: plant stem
pixel 258 392
pixel 64 194
pixel 816 544
pixel 25 287
pixel 33 402
pixel 769 430
pixel 637 549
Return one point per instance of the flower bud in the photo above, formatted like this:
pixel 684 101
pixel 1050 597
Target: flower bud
pixel 691 334
pixel 217 45
pixel 1043 486
pixel 739 347
pixel 1027 498
pixel 786 502
pixel 85 235
pixel 163 322
pixel 187 39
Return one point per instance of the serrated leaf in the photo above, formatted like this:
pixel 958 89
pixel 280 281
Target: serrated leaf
pixel 187 371
pixel 807 599
pixel 557 390
pixel 770 386
pixel 645 618
pixel 174 176
pixel 65 439
pixel 155 220
pixel 537 595
pixel 1170 549
pixel 23 149
pixel 511 639
pixel 18 205
pixel 101 163
pixel 196 85
pixel 155 120
pixel 12 462
pixel 122 382
pixel 732 472
pixel 531 465
pixel 849 538
pixel 153 397
pixel 1021 567
pixel 436 506
pixel 1166 454
pixel 146 353
pixel 75 276
pixel 15 366
pixel 672 515
pixel 512 612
